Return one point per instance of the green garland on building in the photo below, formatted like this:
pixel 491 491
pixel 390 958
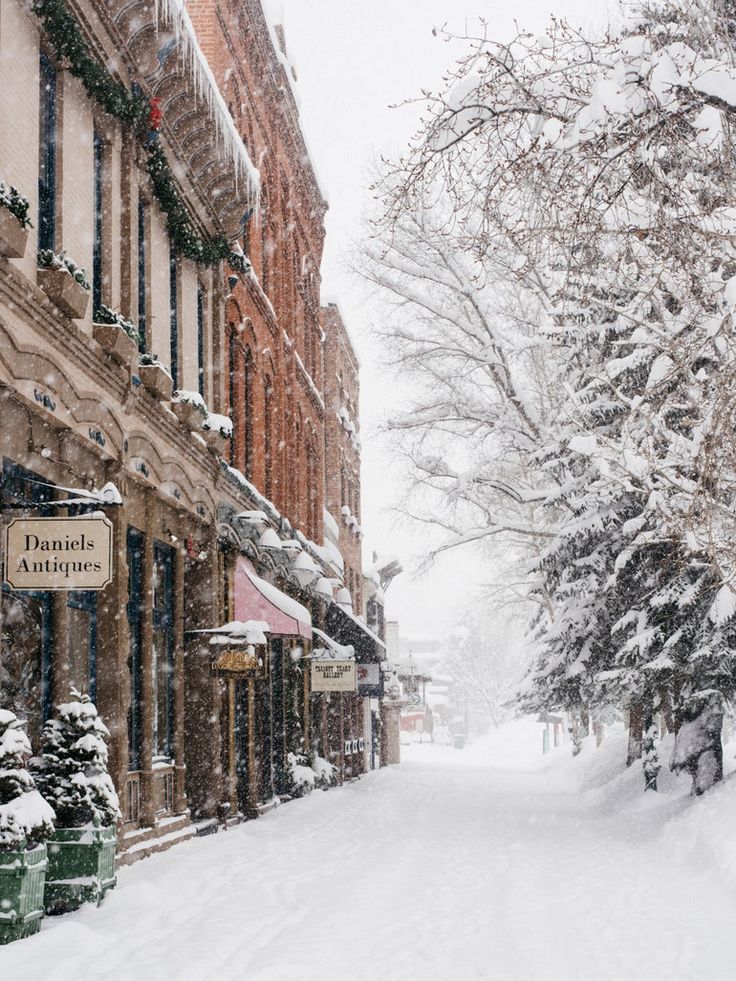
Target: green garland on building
pixel 134 109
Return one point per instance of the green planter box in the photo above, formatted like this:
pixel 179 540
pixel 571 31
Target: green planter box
pixel 81 867
pixel 22 877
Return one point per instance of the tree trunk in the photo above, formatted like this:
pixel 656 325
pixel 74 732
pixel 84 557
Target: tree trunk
pixel 636 732
pixel 667 714
pixel 698 746
pixel 650 754
pixel 585 721
pixel 598 731
pixel 576 731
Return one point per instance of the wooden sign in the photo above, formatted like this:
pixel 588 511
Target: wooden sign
pixel 333 675
pixel 58 553
pixel 237 662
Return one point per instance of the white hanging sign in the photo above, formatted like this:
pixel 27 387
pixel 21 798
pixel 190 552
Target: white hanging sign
pixel 58 553
pixel 333 675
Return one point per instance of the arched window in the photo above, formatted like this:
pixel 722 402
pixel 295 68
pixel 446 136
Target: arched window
pixel 247 409
pixel 269 443
pixel 231 374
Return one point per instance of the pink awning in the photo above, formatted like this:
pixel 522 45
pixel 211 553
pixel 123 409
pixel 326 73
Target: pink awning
pixel 256 599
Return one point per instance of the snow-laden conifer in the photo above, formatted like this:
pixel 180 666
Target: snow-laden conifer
pixel 71 771
pixel 25 817
pixel 598 174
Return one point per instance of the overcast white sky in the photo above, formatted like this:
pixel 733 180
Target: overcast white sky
pixel 354 59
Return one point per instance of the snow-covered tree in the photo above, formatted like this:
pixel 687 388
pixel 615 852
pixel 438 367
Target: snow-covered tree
pixel 71 771
pixel 486 659
pixel 597 174
pixel 25 817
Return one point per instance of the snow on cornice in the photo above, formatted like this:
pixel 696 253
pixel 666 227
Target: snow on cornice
pixel 273 14
pixel 173 13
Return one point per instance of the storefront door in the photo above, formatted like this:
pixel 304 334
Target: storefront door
pixel 241 745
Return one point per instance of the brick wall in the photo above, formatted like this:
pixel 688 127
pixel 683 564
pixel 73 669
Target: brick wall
pixel 342 445
pixel 272 319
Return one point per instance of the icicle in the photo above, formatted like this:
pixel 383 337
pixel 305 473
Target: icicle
pixel 173 13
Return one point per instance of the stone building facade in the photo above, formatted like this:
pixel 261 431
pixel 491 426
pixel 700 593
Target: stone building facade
pixel 198 221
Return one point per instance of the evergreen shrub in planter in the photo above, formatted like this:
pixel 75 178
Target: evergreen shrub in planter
pixel 155 377
pixel 72 774
pixel 64 282
pixel 117 335
pixel 26 819
pixel 14 222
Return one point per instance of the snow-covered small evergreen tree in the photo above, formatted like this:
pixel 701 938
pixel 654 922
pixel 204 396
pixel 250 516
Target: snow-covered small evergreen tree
pixel 650 757
pixel 25 817
pixel 71 771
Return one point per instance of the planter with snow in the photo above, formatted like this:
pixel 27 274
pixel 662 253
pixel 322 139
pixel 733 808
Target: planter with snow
pixel 14 222
pixel 189 408
pixel 22 878
pixel 116 342
pixel 13 236
pixel 155 377
pixel 71 773
pixel 25 820
pixel 81 867
pixel 64 282
pixel 217 430
pixel 116 335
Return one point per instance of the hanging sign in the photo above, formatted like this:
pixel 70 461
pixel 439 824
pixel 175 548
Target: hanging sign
pixel 58 553
pixel 369 680
pixel 333 675
pixel 237 662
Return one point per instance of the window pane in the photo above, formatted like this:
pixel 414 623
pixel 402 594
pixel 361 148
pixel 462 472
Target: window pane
pixel 22 682
pixel 79 649
pixel 47 156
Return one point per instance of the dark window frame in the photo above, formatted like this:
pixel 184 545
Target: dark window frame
pixel 98 153
pixel 47 170
pixel 142 278
pixel 174 315
pixel 163 623
pixel 201 296
pixel 135 543
pixel 86 601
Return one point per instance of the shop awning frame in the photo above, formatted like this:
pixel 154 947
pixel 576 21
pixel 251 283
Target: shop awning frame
pixel 256 599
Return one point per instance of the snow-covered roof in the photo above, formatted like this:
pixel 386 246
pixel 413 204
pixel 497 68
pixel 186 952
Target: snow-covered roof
pixel 241 631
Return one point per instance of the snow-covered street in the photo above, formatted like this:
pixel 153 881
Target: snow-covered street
pixel 474 864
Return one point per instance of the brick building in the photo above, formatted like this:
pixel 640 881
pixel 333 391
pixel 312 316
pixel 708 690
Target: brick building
pixel 136 166
pixel 342 446
pixel 273 337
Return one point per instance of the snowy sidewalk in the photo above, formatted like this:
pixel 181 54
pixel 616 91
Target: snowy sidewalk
pixel 454 866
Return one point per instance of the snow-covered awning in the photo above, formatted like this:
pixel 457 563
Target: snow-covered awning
pixel 329 649
pixel 257 599
pixel 345 625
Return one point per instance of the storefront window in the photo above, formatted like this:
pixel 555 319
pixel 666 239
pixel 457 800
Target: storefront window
pixel 163 650
pixel 25 666
pixel 27 636
pixel 82 638
pixel 135 585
